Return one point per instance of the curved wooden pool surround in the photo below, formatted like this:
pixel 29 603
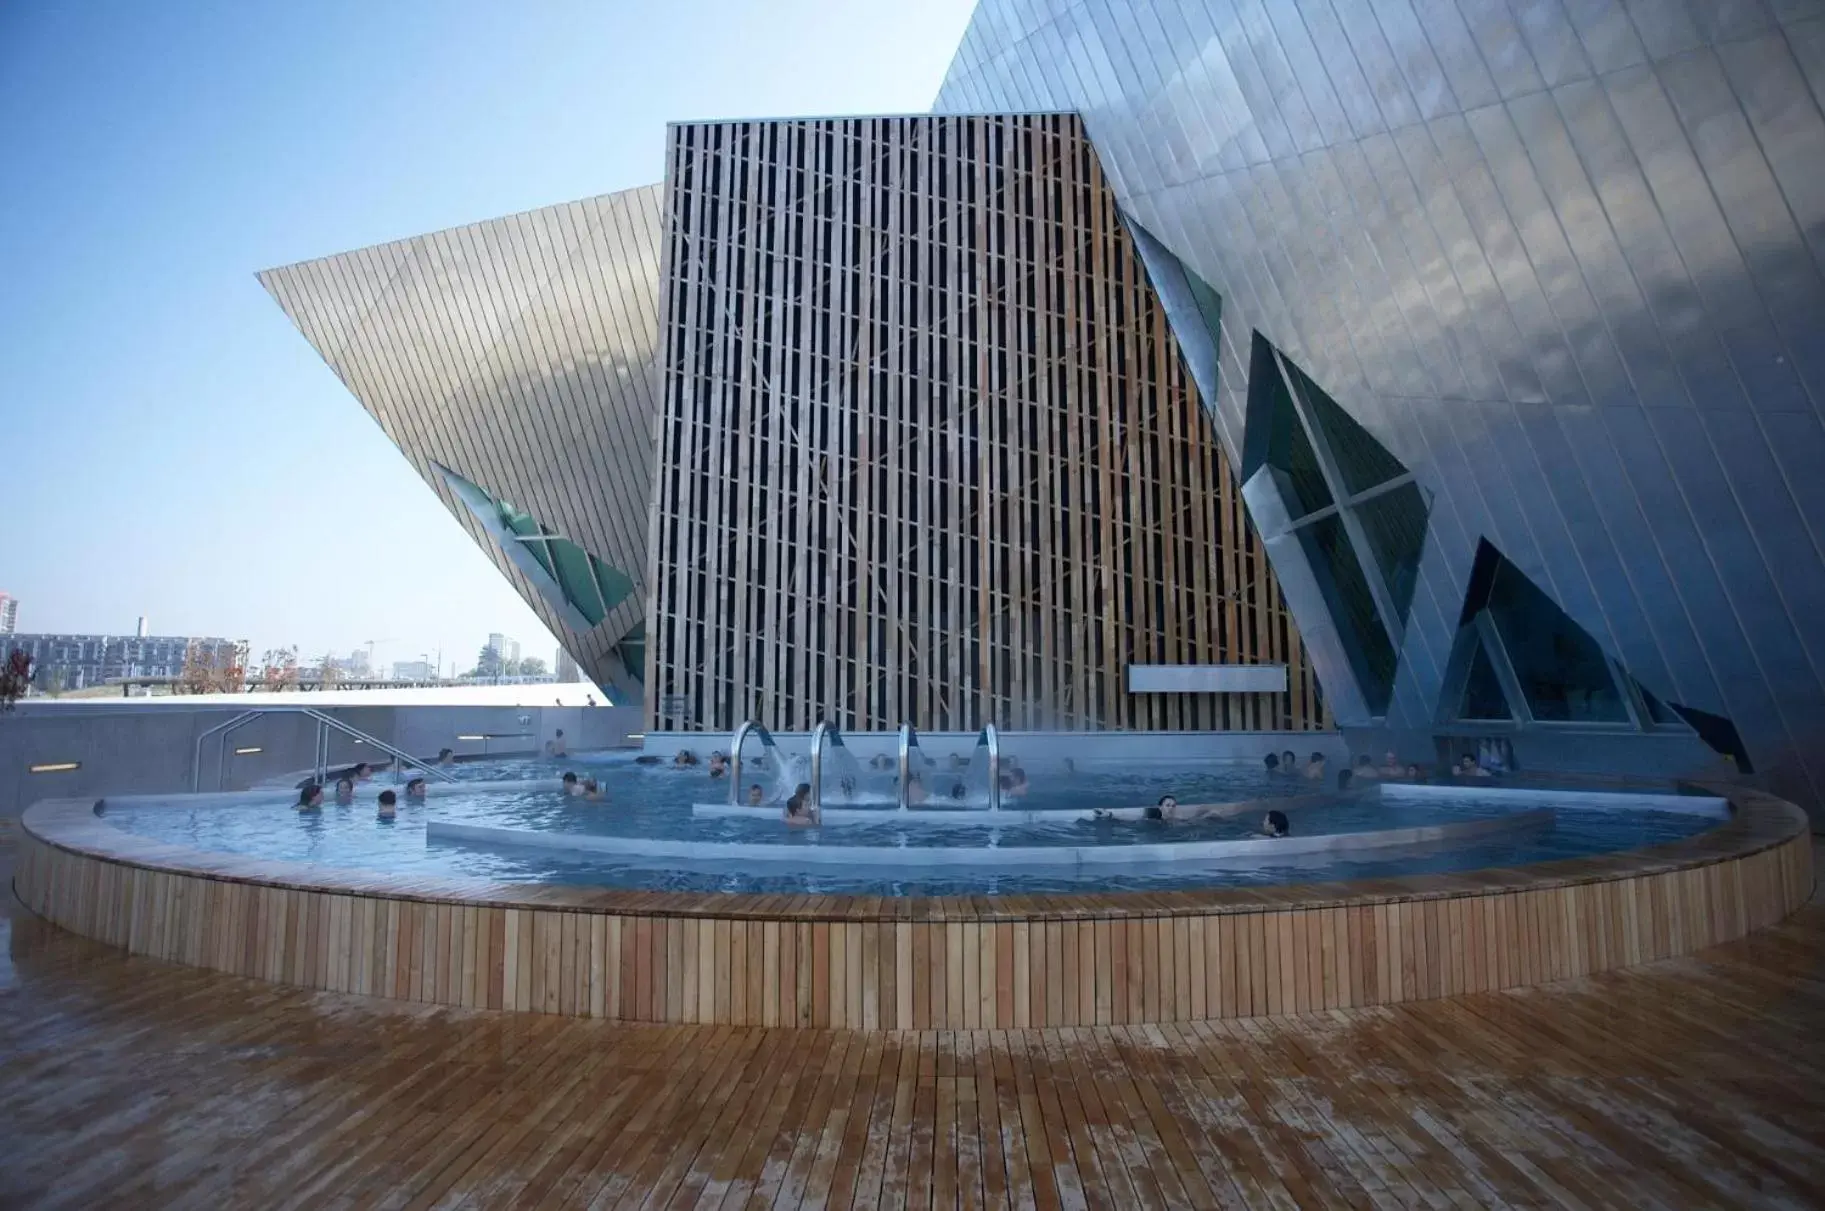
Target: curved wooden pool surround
pixel 944 963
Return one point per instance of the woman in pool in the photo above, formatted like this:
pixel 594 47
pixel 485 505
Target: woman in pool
pixel 1274 824
pixel 571 786
pixel 345 790
pixel 310 797
pixel 798 808
pixel 756 796
pixel 389 805
pixel 1166 809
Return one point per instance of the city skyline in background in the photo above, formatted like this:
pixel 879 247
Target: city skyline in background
pixel 229 486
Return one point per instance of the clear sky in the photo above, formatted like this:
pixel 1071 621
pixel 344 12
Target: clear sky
pixel 173 447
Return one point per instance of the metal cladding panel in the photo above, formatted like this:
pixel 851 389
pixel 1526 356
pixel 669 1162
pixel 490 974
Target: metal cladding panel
pixel 519 353
pixel 1563 258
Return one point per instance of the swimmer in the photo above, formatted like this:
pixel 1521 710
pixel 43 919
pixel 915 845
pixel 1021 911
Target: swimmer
pixel 756 796
pixel 388 805
pixel 310 797
pixel 362 771
pixel 1020 783
pixel 1274 824
pixel 345 790
pixel 1468 768
pixel 1273 764
pixel 798 807
pixel 571 787
pixel 1166 809
pixel 591 789
pixel 415 789
pixel 915 789
pixel 1365 768
pixel 685 759
pixel 559 747
pixel 1344 777
pixel 446 756
pixel 1413 771
pixel 718 765
pixel 1289 764
pixel 880 761
pixel 1390 765
pixel 1314 769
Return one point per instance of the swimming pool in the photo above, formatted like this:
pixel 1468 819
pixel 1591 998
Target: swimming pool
pixel 719 852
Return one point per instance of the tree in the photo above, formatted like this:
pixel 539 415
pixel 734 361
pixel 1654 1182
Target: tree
pixel 488 664
pixel 15 678
pixel 54 683
pixel 279 668
pixel 329 671
pixel 532 666
pixel 213 668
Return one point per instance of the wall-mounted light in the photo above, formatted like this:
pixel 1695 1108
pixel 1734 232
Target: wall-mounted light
pixel 472 737
pixel 56 767
pixel 243 752
pixel 636 736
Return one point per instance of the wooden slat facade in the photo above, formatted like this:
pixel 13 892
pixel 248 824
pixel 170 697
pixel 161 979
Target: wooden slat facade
pixel 928 451
pixel 915 964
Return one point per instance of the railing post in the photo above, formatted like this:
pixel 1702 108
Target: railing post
pixel 907 741
pixel 994 742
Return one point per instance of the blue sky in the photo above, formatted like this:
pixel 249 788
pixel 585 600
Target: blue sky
pixel 175 448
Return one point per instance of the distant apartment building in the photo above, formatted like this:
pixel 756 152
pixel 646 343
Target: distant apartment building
pixel 359 664
pixel 74 662
pixel 567 668
pixel 9 613
pixel 412 670
pixel 506 647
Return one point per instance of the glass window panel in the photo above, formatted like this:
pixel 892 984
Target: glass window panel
pixel 1659 712
pixel 577 580
pixel 1346 591
pixel 1563 673
pixel 1483 697
pixel 1290 455
pixel 613 585
pixel 1363 461
pixel 1395 523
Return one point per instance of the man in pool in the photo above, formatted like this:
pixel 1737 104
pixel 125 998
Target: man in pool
pixel 1391 766
pixel 362 771
pixel 1365 768
pixel 1272 762
pixel 1274 824
pixel 1314 769
pixel 719 765
pixel 1289 764
pixel 798 808
pixel 389 805
pixel 446 756
pixel 756 796
pixel 592 789
pixel 310 797
pixel 558 746
pixel 415 789
pixel 1468 768
pixel 571 787
pixel 345 790
pixel 685 759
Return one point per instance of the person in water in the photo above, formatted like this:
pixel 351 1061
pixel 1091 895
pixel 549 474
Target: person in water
pixel 1020 783
pixel 1365 767
pixel 345 790
pixel 362 771
pixel 389 805
pixel 915 789
pixel 592 789
pixel 958 790
pixel 571 786
pixel 1314 769
pixel 559 746
pixel 446 756
pixel 1289 764
pixel 1413 771
pixel 1345 777
pixel 1274 824
pixel 1272 761
pixel 756 796
pixel 1390 765
pixel 1166 809
pixel 310 797
pixel 719 765
pixel 880 761
pixel 1468 768
pixel 798 807
pixel 685 759
pixel 415 789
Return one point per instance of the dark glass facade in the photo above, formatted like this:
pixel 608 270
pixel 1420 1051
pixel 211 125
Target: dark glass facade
pixel 1562 259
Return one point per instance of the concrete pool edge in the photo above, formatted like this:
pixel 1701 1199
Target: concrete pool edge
pixel 937 963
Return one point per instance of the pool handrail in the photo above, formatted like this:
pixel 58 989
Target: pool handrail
pixel 325 723
pixel 735 743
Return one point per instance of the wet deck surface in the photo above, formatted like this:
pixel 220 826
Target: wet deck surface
pixel 127 1082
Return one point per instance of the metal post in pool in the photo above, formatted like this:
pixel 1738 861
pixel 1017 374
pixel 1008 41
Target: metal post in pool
pixel 819 734
pixel 989 738
pixel 909 740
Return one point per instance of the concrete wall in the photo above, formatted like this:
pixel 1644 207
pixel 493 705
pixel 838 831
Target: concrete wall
pixel 149 746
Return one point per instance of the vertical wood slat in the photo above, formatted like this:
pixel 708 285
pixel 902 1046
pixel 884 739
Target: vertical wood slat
pixel 951 971
pixel 928 450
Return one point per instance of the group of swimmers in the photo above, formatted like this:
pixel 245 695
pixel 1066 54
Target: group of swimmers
pixel 310 795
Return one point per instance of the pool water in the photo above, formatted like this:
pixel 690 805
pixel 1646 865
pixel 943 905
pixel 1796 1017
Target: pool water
pixel 645 801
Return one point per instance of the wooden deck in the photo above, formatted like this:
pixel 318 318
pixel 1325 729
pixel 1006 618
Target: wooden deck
pixel 129 1082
